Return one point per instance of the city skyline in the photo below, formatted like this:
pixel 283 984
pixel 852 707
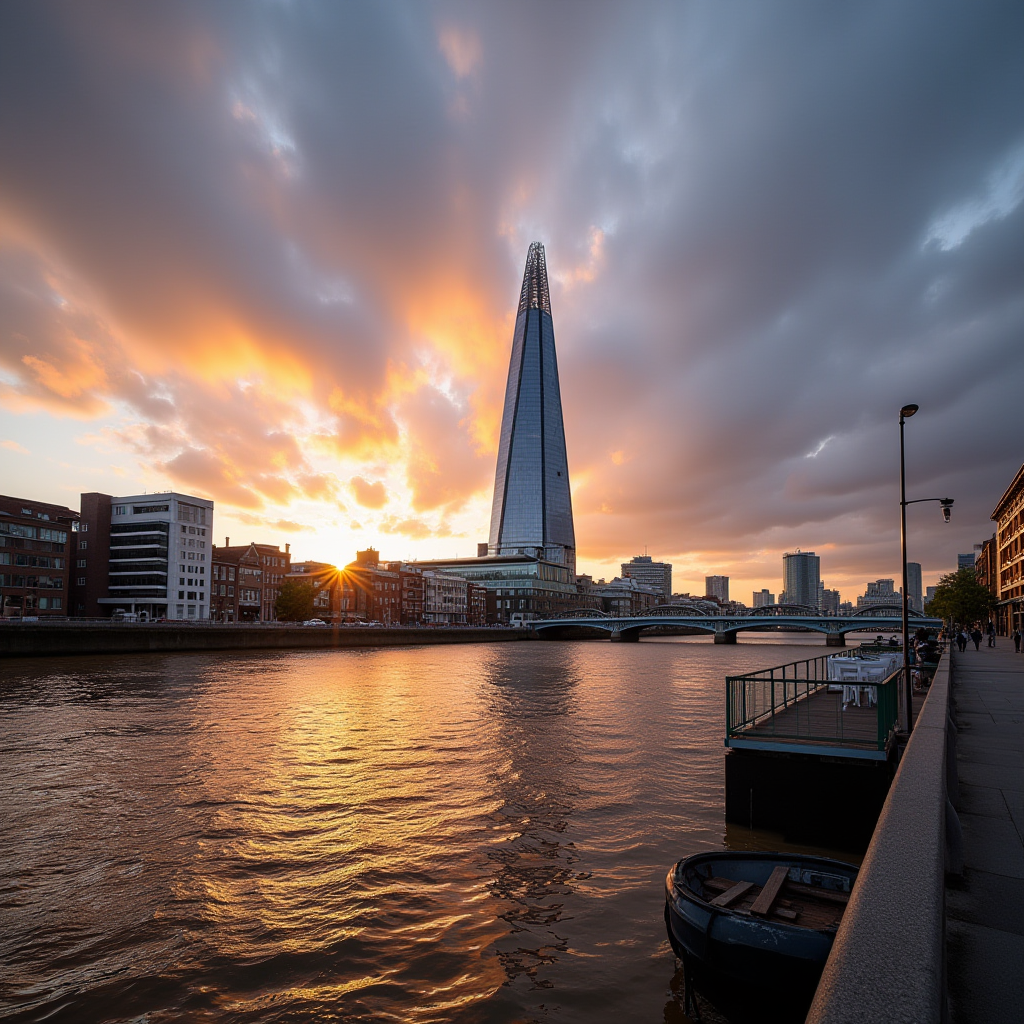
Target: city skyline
pixel 237 266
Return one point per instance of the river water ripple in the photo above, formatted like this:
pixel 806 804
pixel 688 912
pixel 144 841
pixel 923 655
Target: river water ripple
pixel 467 833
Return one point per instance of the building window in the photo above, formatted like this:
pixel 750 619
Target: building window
pixel 56 603
pixel 120 510
pixel 181 597
pixel 81 563
pixel 81 581
pixel 202 596
pixel 231 591
pixel 82 545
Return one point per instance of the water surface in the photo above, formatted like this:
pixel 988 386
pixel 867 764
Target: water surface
pixel 468 833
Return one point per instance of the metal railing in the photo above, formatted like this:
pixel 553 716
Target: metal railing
pixel 792 702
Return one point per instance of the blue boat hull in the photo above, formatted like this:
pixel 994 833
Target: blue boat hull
pixel 749 967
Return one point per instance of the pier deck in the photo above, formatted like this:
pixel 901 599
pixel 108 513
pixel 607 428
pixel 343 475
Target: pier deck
pixel 820 720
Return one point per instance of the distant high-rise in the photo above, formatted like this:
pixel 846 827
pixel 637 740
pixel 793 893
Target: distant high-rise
pixel 880 592
pixel 801 575
pixel 531 512
pixel 763 599
pixel 965 561
pixel 717 586
pixel 649 573
pixel 914 586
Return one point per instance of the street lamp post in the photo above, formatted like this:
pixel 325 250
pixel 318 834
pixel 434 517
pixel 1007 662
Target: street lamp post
pixel 905 413
pixel 947 504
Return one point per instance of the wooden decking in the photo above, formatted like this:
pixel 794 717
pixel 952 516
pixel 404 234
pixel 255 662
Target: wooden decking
pixel 819 720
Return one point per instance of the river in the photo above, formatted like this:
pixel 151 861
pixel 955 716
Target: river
pixel 465 833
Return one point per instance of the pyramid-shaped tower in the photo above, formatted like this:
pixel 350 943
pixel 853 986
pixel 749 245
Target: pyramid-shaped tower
pixel 532 511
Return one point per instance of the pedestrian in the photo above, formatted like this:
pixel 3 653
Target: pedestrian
pixel 991 633
pixel 976 635
pixel 1016 641
pixel 961 640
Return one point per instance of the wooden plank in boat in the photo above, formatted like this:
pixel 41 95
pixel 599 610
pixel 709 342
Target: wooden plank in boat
pixel 763 903
pixel 732 895
pixel 831 895
pixel 786 915
pixel 718 884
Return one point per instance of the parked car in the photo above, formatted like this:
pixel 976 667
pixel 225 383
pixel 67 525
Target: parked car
pixel 314 622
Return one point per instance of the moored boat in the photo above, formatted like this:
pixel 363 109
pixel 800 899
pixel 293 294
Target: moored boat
pixel 754 929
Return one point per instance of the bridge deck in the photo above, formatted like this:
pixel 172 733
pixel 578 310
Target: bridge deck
pixel 819 721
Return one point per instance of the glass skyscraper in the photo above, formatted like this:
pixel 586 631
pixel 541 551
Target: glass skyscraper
pixel 531 513
pixel 801 578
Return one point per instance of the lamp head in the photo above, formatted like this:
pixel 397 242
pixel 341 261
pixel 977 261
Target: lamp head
pixel 908 410
pixel 947 508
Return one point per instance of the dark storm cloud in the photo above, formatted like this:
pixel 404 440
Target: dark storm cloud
pixel 768 227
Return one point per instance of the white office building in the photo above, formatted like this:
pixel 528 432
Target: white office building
pixel 159 556
pixel 649 573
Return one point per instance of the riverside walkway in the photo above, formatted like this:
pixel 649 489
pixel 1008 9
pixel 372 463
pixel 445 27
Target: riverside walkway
pixel 985 913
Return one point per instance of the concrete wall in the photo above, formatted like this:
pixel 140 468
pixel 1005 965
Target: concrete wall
pixel 38 639
pixel 887 963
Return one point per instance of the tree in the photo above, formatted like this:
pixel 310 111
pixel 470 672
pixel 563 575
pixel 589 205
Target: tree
pixel 295 601
pixel 960 598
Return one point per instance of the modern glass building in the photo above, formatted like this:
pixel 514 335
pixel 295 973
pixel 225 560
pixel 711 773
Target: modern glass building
pixel 801 577
pixel 531 513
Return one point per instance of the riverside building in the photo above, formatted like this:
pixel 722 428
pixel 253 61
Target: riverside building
pixel 763 599
pixel 148 555
pixel 1009 517
pixel 36 540
pixel 649 573
pixel 246 581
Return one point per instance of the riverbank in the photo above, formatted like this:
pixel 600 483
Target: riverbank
pixel 28 640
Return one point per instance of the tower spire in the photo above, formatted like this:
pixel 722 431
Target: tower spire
pixel 531 512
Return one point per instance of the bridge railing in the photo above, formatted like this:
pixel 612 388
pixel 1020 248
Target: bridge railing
pixel 792 702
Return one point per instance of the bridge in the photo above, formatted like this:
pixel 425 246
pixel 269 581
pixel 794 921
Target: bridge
pixel 627 629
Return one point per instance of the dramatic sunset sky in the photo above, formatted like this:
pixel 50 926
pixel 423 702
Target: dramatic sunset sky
pixel 270 252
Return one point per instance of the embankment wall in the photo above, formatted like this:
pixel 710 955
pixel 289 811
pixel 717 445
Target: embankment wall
pixel 22 640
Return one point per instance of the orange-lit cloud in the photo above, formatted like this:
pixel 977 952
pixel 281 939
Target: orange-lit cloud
pixel 367 494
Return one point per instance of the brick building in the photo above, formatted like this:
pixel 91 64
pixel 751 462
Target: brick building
pixel 36 549
pixel 1009 517
pixel 238 593
pixel 986 566
pixel 478 605
pixel 276 564
pixel 324 579
pixel 371 592
pixel 413 590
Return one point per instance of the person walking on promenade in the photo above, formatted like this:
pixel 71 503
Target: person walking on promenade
pixel 1016 641
pixel 961 640
pixel 991 630
pixel 976 637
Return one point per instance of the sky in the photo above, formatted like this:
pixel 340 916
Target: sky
pixel 270 253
